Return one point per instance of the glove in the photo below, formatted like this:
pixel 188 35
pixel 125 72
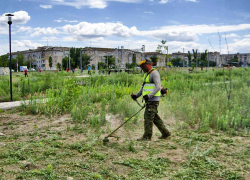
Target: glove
pixel 134 97
pixel 145 98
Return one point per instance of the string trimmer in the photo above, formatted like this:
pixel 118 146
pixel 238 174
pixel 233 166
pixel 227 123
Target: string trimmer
pixel 105 140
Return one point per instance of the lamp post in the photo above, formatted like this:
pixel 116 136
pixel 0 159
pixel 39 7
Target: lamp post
pixel 10 22
pixel 81 59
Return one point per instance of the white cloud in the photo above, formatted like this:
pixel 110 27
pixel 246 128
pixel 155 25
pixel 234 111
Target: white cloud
pixel 46 6
pixel 205 29
pixel 99 4
pixel 44 31
pixel 164 1
pixel 73 21
pixel 53 38
pixel 192 0
pixel 230 35
pixel 170 36
pixel 95 30
pixel 148 12
pixel 248 35
pixel 24 29
pixel 25 44
pixel 184 33
pixel 59 20
pixel 62 20
pixel 20 17
pixel 242 45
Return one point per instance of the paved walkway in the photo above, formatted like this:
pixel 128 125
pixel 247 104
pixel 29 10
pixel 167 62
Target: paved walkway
pixel 14 104
pixel 11 105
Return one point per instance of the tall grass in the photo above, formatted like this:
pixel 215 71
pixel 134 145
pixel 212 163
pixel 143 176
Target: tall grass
pixel 198 99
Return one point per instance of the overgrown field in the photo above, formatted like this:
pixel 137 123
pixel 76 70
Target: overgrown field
pixel 62 137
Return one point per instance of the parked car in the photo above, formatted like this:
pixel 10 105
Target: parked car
pixel 32 69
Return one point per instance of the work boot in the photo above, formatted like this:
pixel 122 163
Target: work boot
pixel 165 136
pixel 144 139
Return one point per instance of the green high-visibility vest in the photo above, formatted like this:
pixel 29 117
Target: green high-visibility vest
pixel 148 87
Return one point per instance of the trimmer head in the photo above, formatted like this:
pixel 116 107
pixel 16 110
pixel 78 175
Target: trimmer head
pixel 105 140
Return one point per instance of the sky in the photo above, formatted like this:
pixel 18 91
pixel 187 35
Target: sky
pixel 215 25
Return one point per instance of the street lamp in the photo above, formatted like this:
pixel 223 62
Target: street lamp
pixel 10 22
pixel 81 59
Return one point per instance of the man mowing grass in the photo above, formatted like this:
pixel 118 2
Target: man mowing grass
pixel 151 91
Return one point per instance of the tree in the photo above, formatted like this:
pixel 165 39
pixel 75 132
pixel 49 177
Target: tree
pixel 177 62
pixel 85 60
pixel 163 49
pixel 189 58
pixel 65 62
pixel 20 59
pixel 235 59
pixel 58 66
pixel 195 54
pixel 154 59
pixel 4 61
pixel 50 62
pixel 134 59
pixel 204 56
pixel 111 61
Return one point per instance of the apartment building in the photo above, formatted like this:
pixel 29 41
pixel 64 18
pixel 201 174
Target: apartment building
pixel 39 58
pixel 244 58
pixel 122 55
pixel 160 57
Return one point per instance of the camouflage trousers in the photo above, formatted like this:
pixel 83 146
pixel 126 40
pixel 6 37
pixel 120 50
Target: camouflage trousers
pixel 151 117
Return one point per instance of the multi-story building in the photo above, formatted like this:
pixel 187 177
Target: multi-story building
pixel 39 58
pixel 243 58
pixel 122 55
pixel 161 59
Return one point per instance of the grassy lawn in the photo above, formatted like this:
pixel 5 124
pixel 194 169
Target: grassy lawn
pixel 206 112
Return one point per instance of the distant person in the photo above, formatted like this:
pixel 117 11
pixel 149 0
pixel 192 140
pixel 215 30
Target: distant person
pixel 39 71
pixel 89 69
pixel 67 69
pixel 26 72
pixel 73 70
pixel 227 66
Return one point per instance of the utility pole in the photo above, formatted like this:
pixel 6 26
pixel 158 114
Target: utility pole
pixel 30 58
pixel 196 61
pixel 208 59
pixel 96 63
pixel 81 59
pixel 167 59
pixel 183 59
pixel 116 54
pixel 69 58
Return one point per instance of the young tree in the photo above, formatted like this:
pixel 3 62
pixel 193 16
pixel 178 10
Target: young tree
pixel 111 61
pixel 204 56
pixel 154 59
pixel 195 54
pixel 189 58
pixel 85 60
pixel 65 62
pixel 177 62
pixel 4 61
pixel 50 62
pixel 235 59
pixel 163 49
pixel 58 66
